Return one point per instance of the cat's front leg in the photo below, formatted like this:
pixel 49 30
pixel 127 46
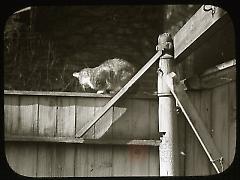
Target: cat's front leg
pixel 101 92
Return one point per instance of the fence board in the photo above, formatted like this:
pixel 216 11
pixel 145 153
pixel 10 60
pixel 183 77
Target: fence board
pixel 47 116
pixel 28 117
pixel 47 127
pixel 139 156
pixel 22 158
pixel 140 121
pixel 66 116
pixel 11 114
pixel 103 125
pixel 220 121
pixel 205 112
pixel 121 161
pixel 85 110
pixel 27 125
pixel 81 160
pixel 153 169
pixel 191 141
pixel 122 120
pixel 232 121
pixel 103 161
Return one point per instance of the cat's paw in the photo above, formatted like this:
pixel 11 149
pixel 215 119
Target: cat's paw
pixel 100 92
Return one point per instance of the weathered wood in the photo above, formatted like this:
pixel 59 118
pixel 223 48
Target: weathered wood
pixel 84 111
pixel 102 161
pixel 121 161
pixel 139 155
pixel 119 94
pixel 72 94
pixel 65 127
pixel 232 121
pixel 22 157
pixel 81 160
pixel 11 114
pixel 220 122
pixel 153 161
pixel 47 128
pixel 47 116
pixel 140 121
pixel 103 127
pixel 194 120
pixel 122 112
pixel 142 142
pixel 199 28
pixel 28 116
pixel 211 80
pixel 65 116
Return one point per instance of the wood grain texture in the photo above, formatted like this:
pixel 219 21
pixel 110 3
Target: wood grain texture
pixel 47 116
pixel 84 113
pixel 220 122
pixel 22 158
pixel 232 121
pixel 28 117
pixel 11 114
pixel 200 27
pixel 103 127
pixel 66 116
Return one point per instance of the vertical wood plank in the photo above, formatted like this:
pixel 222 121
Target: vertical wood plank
pixel 205 112
pixel 192 142
pixel 46 160
pixel 140 119
pixel 153 169
pixel 47 127
pixel 232 121
pixel 28 120
pixel 122 119
pixel 121 130
pixel 22 157
pixel 66 116
pixel 27 125
pixel 103 161
pixel 47 116
pixel 84 154
pixel 181 142
pixel 81 160
pixel 153 119
pixel 121 161
pixel 220 121
pixel 103 126
pixel 139 156
pixel 85 112
pixel 103 153
pixel 153 161
pixel 11 113
pixel 65 153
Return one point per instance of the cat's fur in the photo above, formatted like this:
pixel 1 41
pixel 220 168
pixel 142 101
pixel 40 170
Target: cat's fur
pixel 109 77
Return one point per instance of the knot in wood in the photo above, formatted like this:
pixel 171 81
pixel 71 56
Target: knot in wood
pixel 165 43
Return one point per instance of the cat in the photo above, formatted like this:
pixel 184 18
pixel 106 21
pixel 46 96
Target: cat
pixel 109 77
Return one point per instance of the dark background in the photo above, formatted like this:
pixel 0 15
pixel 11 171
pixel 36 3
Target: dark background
pixel 44 46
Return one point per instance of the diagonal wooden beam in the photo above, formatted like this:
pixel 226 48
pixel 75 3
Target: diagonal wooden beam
pixel 199 28
pixel 194 119
pixel 101 112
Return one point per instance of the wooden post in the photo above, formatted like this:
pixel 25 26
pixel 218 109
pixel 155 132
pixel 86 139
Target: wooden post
pixel 168 149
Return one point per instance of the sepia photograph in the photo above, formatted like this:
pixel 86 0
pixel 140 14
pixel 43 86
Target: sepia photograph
pixel 119 90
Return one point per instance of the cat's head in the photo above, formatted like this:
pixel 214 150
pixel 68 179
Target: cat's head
pixel 84 77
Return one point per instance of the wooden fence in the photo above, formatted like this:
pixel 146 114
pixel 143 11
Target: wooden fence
pixel 48 117
pixel 40 131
